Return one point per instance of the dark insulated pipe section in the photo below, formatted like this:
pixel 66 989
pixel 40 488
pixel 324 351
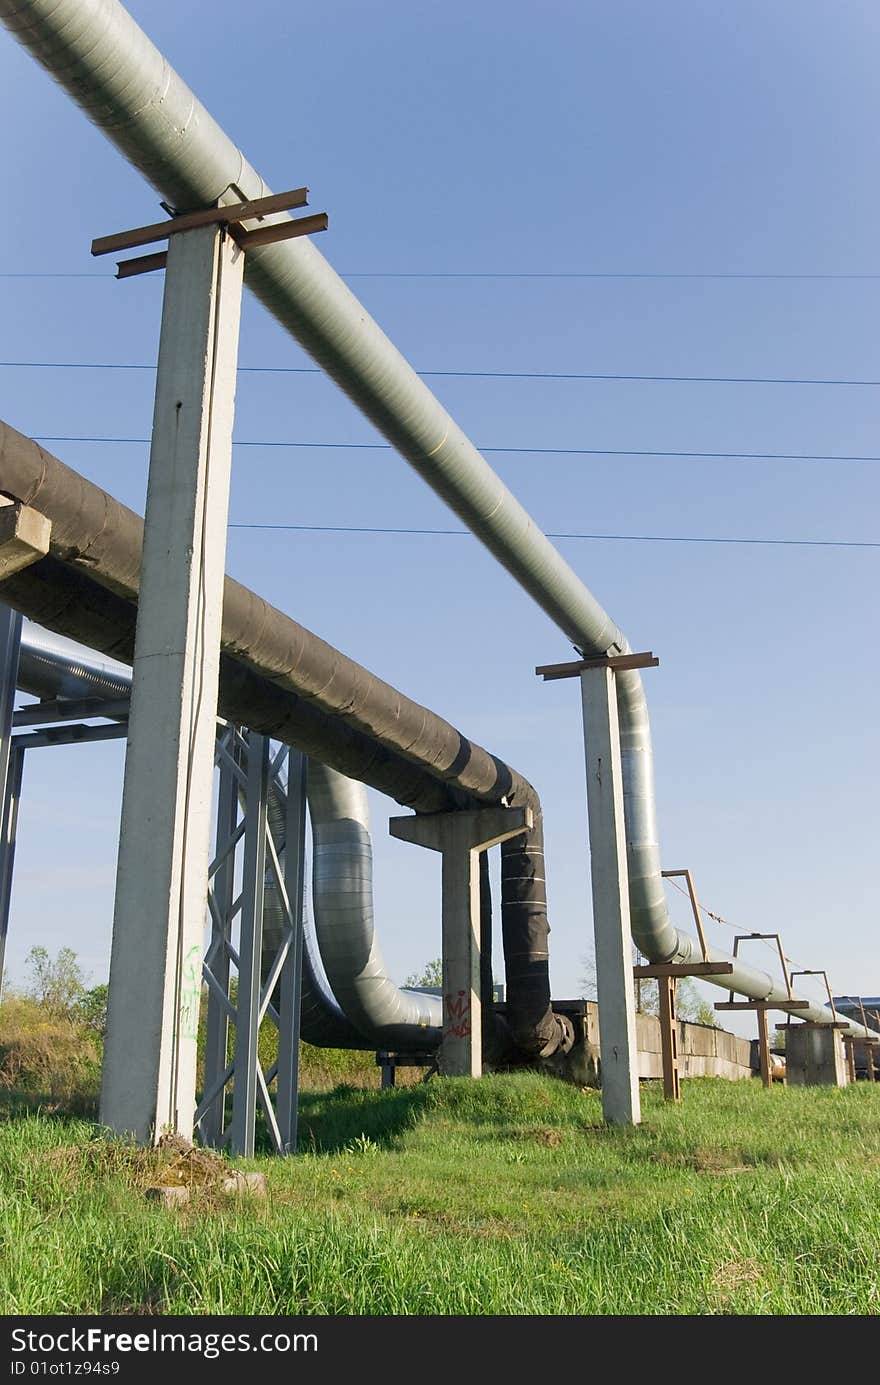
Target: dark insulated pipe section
pixel 279 678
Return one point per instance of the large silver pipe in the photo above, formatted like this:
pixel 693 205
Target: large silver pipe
pixel 128 89
pixel 342 885
pixel 51 665
pixel 342 956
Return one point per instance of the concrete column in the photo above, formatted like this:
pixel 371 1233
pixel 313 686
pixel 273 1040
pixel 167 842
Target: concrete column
pixel 460 837
pixel 159 921
pixel 814 1056
pixel 614 967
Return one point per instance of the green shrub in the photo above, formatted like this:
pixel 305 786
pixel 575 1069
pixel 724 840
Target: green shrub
pixel 46 1057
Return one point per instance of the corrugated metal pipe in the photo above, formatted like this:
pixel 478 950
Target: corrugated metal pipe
pixel 128 89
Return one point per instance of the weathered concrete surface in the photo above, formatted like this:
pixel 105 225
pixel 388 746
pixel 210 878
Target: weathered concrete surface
pixel 703 1051
pixel 815 1056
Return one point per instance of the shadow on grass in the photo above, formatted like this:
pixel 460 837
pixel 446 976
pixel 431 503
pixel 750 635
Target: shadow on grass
pixel 328 1121
pixel 15 1105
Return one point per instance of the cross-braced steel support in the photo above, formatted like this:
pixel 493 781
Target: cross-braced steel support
pixel 11 765
pixel 248 980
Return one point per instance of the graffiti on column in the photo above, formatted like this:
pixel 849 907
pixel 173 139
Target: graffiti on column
pixel 191 989
pixel 457 1015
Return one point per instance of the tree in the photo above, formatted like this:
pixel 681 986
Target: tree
pixel 689 1004
pixel 58 985
pixel 91 1009
pixel 430 975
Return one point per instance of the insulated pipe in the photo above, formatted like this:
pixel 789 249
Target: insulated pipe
pixel 51 665
pixel 302 684
pixel 111 69
pixel 128 89
pixel 63 597
pixel 342 880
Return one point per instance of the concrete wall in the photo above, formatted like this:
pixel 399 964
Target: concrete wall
pixel 703 1052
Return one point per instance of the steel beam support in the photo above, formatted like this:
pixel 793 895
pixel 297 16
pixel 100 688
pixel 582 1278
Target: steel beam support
pixel 290 980
pixel 460 838
pixel 222 887
pixel 149 1071
pixel 250 949
pixel 668 1038
pixel 11 764
pixel 764 1049
pixel 621 1103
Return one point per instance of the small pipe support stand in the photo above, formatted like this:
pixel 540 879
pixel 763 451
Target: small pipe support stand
pixel 621 1103
pixel 460 838
pixel 761 1011
pixel 667 976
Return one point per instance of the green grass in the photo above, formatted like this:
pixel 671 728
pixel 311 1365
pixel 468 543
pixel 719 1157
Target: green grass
pixel 497 1197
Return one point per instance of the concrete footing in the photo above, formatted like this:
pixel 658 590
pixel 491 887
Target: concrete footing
pixel 814 1056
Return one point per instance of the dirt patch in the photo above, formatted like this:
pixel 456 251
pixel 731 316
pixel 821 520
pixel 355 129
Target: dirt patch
pixel 546 1135
pixel 732 1275
pixel 716 1162
pixel 172 1163
pixel 180 1163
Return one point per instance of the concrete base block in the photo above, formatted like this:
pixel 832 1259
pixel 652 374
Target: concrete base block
pixel 252 1183
pixel 174 1195
pixel 814 1056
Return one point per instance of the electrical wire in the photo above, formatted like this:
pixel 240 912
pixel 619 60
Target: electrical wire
pixel 499 274
pixel 513 451
pixel 551 534
pixel 481 374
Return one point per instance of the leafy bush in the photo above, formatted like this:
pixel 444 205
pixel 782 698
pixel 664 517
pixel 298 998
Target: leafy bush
pixel 46 1057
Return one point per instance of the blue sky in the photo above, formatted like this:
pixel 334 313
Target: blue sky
pixel 484 139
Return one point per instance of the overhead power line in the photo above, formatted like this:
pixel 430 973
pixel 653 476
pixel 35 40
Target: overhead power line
pixel 514 451
pixel 479 374
pixel 494 274
pixel 615 538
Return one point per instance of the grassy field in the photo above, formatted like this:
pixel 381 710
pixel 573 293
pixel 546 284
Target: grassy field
pixel 502 1196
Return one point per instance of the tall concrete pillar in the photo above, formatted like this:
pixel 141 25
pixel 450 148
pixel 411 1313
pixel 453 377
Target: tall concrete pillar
pixel 621 1103
pixel 159 920
pixel 460 837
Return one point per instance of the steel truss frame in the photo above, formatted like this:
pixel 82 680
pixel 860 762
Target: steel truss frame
pixel 248 862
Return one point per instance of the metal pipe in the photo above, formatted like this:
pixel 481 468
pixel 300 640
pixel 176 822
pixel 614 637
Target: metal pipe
pixel 128 89
pixel 278 677
pixel 343 928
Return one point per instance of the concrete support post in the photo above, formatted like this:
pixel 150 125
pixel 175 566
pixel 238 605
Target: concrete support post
pixel 290 991
pixel 460 837
pixel 250 950
pixel 159 920
pixel 849 1048
pixel 814 1056
pixel 11 764
pixel 614 975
